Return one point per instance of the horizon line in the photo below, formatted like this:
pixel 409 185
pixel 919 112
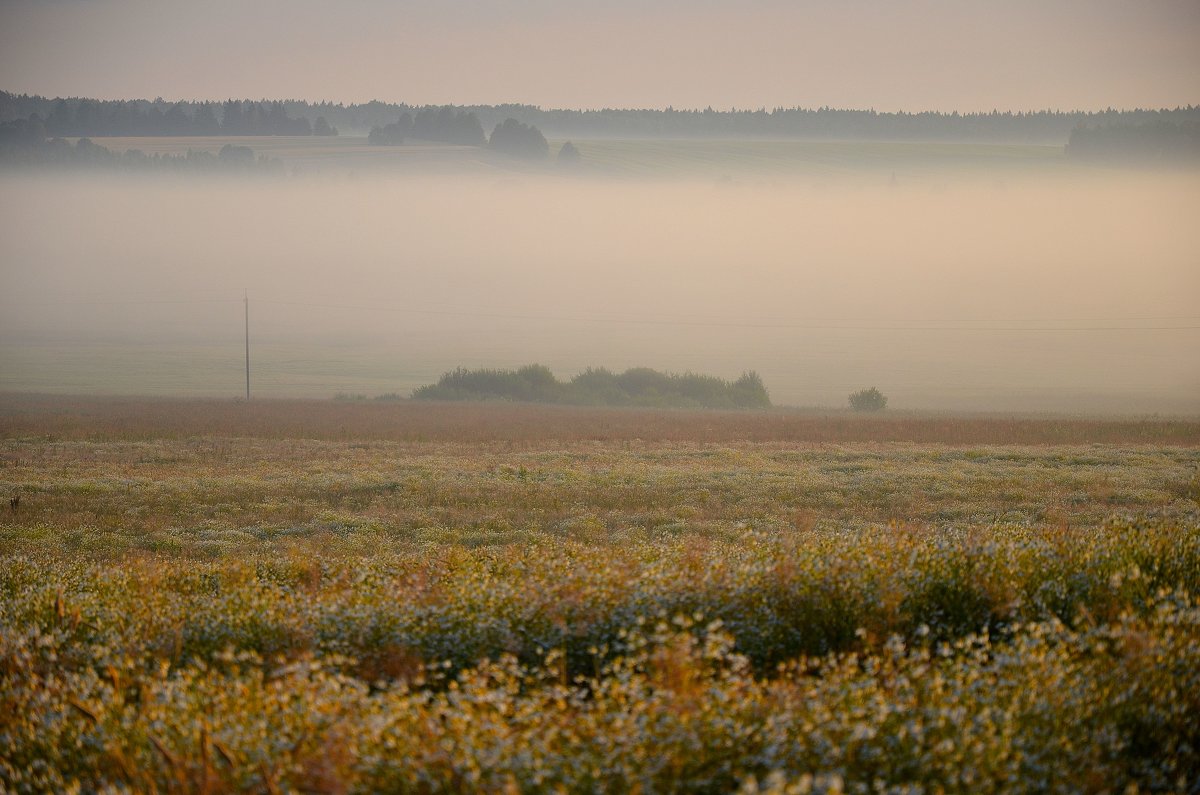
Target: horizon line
pixel 610 108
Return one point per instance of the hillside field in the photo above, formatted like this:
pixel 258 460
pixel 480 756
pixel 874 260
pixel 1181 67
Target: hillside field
pixel 649 158
pixel 331 596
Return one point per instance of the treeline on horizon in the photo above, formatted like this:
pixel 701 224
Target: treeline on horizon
pixel 639 386
pixel 24 142
pixel 77 116
pixel 1159 140
pixel 81 117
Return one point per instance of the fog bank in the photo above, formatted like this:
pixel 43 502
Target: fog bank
pixel 1035 292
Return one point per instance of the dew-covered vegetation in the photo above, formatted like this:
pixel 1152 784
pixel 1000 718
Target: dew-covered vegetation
pixel 630 601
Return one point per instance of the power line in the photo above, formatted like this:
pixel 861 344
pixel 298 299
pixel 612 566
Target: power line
pixel 246 298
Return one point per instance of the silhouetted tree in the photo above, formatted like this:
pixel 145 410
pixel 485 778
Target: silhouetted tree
pixel 391 134
pixel 568 155
pixel 749 392
pixel 511 137
pixel 868 400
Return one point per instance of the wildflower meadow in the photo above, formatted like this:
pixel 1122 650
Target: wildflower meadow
pixel 626 601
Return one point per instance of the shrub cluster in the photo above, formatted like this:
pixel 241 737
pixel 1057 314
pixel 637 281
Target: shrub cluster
pixel 441 124
pixel 391 134
pixel 25 149
pixel 868 400
pixel 569 154
pixel 639 386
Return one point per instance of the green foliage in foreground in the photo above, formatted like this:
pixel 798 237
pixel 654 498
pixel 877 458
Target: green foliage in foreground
pixel 639 386
pixel 276 614
pixel 1005 660
pixel 1051 710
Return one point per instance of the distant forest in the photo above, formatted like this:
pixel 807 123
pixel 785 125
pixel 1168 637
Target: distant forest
pixel 1159 140
pixel 446 124
pixel 90 117
pixel 639 386
pixel 93 117
pixel 443 124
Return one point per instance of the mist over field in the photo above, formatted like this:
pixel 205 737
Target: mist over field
pixel 601 396
pixel 981 289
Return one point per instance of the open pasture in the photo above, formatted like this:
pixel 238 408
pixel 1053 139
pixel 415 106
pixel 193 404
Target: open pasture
pixel 305 154
pixel 884 161
pixel 210 596
pixel 645 158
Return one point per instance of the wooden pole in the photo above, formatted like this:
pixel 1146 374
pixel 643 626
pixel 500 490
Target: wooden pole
pixel 247 300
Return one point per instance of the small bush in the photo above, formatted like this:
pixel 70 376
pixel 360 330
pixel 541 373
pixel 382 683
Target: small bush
pixel 569 154
pixel 868 400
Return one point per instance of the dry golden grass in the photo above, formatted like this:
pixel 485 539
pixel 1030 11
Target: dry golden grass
pixel 105 418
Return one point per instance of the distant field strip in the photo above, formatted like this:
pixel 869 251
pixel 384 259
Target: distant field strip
pixel 639 157
pixel 810 158
pixel 62 417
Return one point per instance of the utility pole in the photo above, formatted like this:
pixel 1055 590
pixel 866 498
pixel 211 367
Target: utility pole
pixel 247 300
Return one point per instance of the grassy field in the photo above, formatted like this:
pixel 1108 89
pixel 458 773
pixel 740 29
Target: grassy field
pixel 310 154
pixel 639 157
pixel 208 596
pixel 316 371
pixel 814 159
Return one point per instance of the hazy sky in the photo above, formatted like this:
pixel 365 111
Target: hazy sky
pixel 898 54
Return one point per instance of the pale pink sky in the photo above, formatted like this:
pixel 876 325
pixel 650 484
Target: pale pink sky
pixel 903 54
